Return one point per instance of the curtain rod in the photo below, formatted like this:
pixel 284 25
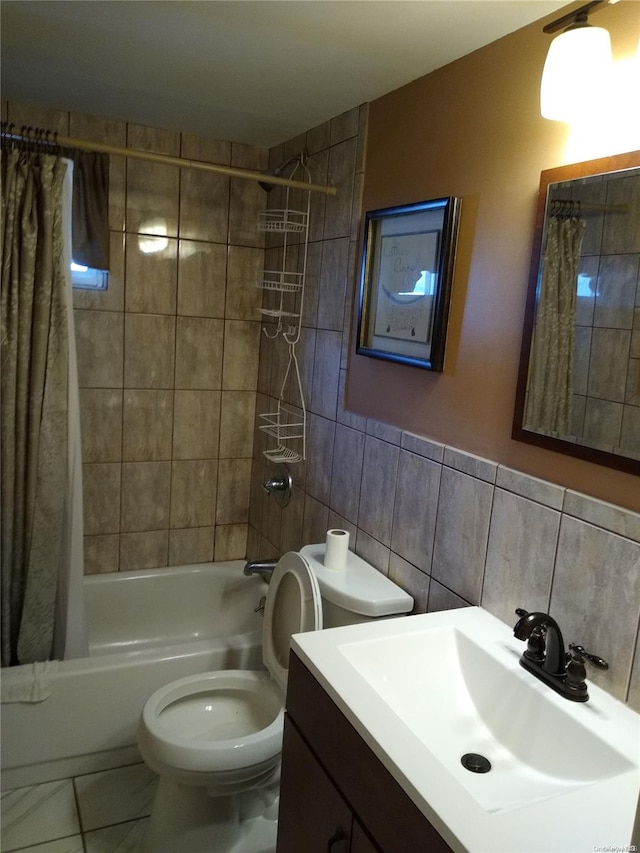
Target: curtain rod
pixel 165 159
pixel 588 207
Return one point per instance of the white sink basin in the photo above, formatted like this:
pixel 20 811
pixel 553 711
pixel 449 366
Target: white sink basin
pixel 423 691
pixel 458 699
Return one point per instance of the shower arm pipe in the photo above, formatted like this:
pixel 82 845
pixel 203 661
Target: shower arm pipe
pixel 169 160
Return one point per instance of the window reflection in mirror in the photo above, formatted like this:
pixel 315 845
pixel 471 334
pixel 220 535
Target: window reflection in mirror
pixel 579 382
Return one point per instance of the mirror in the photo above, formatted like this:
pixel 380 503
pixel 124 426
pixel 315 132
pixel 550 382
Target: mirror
pixel 579 379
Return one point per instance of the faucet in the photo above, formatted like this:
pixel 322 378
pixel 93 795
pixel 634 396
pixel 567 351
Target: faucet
pixel 264 568
pixel 546 657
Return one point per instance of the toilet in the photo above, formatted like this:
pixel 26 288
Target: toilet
pixel 215 738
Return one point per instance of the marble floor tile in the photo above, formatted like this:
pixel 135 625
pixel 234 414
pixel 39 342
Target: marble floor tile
pixel 122 838
pixel 38 813
pixel 115 796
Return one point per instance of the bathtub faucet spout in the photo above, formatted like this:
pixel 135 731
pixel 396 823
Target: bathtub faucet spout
pixel 264 568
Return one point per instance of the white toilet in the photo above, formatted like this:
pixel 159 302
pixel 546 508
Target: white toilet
pixel 215 738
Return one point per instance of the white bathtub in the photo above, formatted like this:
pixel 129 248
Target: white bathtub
pixel 144 629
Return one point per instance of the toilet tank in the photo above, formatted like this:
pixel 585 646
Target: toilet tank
pixel 357 593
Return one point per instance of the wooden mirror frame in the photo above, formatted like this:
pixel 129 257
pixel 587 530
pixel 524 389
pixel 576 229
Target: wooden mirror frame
pixel 588 168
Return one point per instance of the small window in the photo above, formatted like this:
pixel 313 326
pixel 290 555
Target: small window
pixel 87 278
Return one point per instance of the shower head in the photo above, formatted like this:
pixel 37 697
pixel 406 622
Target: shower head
pixel 266 186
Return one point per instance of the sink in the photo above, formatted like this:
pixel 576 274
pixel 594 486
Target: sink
pixel 423 691
pixel 460 700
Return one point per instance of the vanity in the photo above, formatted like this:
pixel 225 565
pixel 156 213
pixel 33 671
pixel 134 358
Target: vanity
pixel 381 716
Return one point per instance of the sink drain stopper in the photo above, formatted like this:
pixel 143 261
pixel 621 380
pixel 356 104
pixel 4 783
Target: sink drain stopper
pixel 475 763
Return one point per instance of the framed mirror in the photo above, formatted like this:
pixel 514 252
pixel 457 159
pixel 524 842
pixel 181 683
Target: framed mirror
pixel 579 378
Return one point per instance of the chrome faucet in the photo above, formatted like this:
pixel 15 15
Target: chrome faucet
pixel 546 657
pixel 264 568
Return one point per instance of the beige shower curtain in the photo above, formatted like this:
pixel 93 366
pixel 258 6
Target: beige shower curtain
pixel 550 386
pixel 34 383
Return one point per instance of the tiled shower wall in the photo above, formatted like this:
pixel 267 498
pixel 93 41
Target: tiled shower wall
pixel 450 528
pixel 168 354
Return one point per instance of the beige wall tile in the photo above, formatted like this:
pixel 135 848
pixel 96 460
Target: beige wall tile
pixel 237 417
pixel 462 530
pixel 346 474
pixel 337 212
pixel 320 440
pixel 99 341
pixel 379 473
pixel 249 156
pixel 319 137
pixel 441 598
pixel 245 200
pixel 196 147
pixel 333 283
pixel 416 504
pixel 199 345
pixel 101 554
pixel 345 125
pixel 202 270
pixel 145 496
pixel 39 116
pixel 315 522
pixel 292 522
pixel 601 616
pixel 152 277
pixel 101 424
pixel 204 206
pixel 244 272
pixel 241 350
pixel 234 482
pixel 147 425
pixel 196 424
pixel 411 580
pixel 193 493
pixel 101 497
pixel 191 545
pixel 326 374
pixel 146 550
pixel 152 198
pixel 520 556
pixel 149 351
pixel 231 542
pixel 155 139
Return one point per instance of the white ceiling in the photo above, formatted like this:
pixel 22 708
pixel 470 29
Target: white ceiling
pixel 254 71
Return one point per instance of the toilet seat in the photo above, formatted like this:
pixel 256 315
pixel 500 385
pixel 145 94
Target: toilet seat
pixel 293 606
pixel 173 725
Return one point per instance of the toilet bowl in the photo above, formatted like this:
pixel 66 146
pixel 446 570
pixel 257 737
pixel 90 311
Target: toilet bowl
pixel 221 730
pixel 215 738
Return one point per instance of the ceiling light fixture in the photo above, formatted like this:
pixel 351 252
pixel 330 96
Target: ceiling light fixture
pixel 578 65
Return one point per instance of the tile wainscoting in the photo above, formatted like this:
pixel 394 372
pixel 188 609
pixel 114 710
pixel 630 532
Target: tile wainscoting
pixel 456 530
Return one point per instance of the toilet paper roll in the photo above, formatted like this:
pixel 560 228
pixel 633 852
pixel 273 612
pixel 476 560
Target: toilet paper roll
pixel 336 549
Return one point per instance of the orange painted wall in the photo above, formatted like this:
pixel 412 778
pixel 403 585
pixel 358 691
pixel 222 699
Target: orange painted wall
pixel 473 129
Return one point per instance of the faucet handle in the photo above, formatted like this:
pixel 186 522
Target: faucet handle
pixel 577 652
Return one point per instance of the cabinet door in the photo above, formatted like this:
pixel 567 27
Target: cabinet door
pixel 313 816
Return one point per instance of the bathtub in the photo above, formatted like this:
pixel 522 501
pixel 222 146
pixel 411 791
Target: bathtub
pixel 144 629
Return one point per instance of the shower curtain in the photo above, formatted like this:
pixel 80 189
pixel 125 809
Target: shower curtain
pixel 41 514
pixel 549 403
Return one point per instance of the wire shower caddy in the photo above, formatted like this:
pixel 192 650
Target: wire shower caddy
pixel 287 423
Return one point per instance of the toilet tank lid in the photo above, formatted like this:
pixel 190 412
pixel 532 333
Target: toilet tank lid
pixel 359 587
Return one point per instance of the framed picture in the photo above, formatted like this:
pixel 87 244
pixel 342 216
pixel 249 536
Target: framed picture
pixel 405 282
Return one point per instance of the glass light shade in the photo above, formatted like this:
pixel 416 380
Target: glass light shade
pixel 576 73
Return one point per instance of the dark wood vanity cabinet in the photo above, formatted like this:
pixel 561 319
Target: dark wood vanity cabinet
pixel 336 796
